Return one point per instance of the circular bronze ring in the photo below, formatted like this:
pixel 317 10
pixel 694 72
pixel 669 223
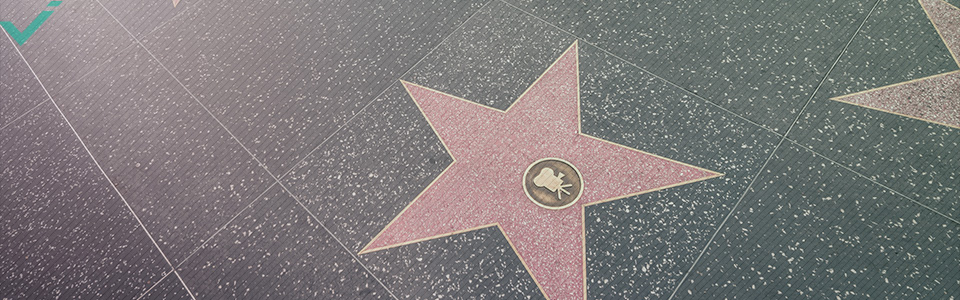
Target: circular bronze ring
pixel 552 187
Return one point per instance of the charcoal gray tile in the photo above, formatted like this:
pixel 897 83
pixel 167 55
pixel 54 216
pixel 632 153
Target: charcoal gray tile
pixel 493 57
pixel 275 250
pixel 19 90
pixel 641 246
pixel 896 44
pixel 914 157
pixel 74 40
pixel 478 264
pixel 955 3
pixel 760 59
pixel 178 168
pixel 810 229
pixel 143 17
pixel 368 172
pixel 64 232
pixel 284 75
pixel 168 288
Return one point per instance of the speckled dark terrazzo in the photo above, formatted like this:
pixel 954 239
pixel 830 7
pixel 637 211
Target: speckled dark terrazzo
pixel 277 251
pixel 80 35
pixel 168 288
pixel 492 58
pixel 371 169
pixel 641 246
pixel 856 202
pixel 64 232
pixel 898 43
pixel 327 61
pixel 142 18
pixel 810 229
pixel 931 98
pixel 760 59
pixel 179 169
pixel 19 89
pixel 916 158
pixel 378 164
pixel 478 265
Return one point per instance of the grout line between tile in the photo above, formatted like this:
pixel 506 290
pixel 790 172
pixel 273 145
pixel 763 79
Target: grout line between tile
pixel 783 136
pixel 277 180
pixel 874 181
pixel 260 163
pixel 184 283
pixel 344 125
pixel 772 154
pixel 733 113
pixel 17 118
pixel 225 225
pixel 95 162
pixel 695 95
pixel 319 222
pixel 155 284
pixel 178 14
pixel 121 51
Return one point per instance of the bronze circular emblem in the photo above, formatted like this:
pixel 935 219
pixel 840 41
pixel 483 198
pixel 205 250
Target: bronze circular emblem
pixel 552 183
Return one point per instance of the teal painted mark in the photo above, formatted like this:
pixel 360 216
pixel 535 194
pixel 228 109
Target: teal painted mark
pixel 22 36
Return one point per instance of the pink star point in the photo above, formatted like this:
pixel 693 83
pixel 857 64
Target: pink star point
pixel 492 148
pixel 933 98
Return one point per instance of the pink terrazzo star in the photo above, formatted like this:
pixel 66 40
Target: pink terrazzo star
pixel 491 150
pixel 935 98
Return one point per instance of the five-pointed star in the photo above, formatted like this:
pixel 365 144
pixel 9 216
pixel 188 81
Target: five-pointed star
pixel 491 150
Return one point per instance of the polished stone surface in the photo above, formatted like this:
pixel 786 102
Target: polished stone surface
pixel 914 157
pixel 261 146
pixel 65 231
pixel 760 59
pixel 180 170
pixel 168 288
pixel 276 250
pixel 410 271
pixel 493 58
pixel 823 239
pixel 491 148
pixel 21 91
pixel 74 41
pixel 641 246
pixel 327 61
